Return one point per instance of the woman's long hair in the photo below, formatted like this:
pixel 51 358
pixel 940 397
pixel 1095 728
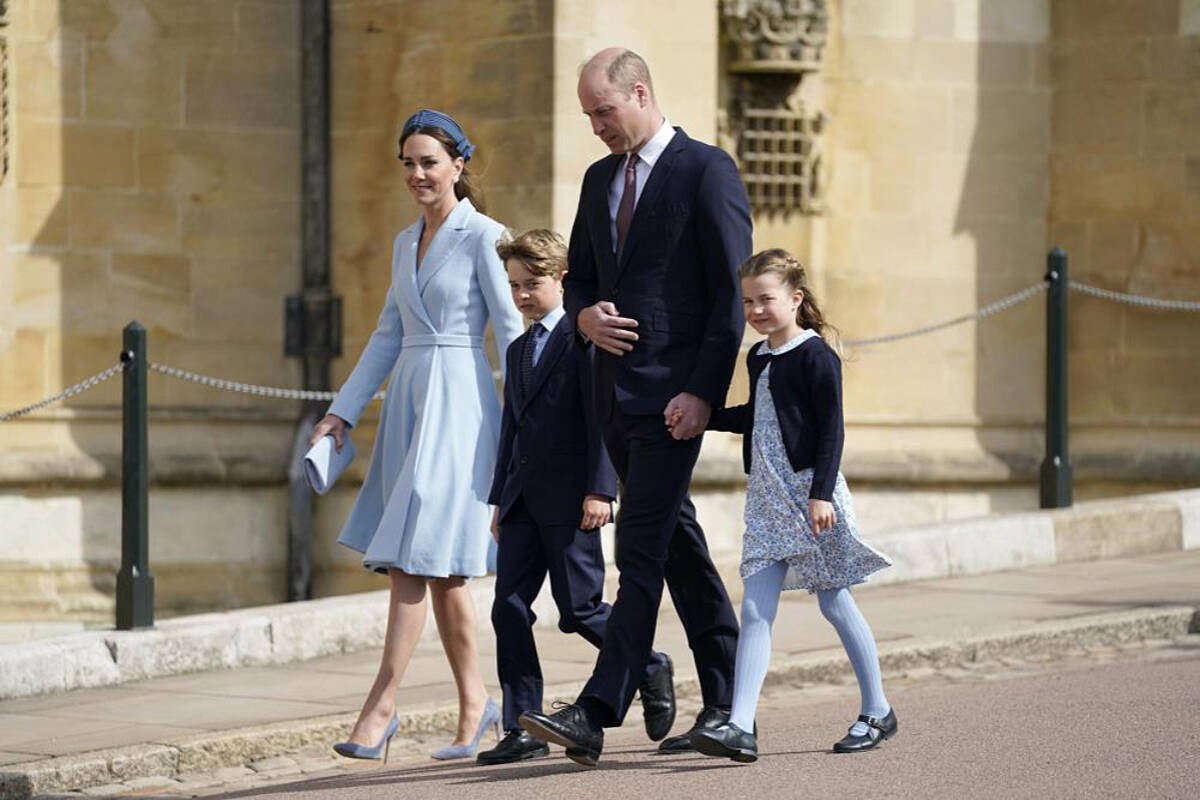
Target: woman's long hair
pixel 465 187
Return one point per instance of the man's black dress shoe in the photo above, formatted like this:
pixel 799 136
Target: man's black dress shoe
pixel 517 745
pixel 727 741
pixel 877 731
pixel 569 727
pixel 658 701
pixel 709 717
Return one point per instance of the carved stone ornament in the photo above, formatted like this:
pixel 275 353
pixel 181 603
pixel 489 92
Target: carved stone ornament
pixel 774 47
pixel 776 35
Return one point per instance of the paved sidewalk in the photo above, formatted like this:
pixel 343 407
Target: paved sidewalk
pixel 168 710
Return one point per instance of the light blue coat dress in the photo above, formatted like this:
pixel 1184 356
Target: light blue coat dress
pixel 423 506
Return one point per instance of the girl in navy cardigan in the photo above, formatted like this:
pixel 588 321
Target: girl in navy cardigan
pixel 800 527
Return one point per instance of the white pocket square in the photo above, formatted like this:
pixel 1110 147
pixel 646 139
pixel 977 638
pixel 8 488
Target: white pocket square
pixel 323 463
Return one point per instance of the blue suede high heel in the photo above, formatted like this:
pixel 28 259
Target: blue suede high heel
pixel 490 718
pixel 352 750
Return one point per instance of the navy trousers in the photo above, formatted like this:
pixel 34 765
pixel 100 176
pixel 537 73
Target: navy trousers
pixel 659 539
pixel 574 561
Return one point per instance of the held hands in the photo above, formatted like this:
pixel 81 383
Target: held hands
pixel 601 325
pixel 329 425
pixel 687 415
pixel 596 512
pixel 822 516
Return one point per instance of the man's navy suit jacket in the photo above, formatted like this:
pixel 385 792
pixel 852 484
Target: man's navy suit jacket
pixel 551 451
pixel 677 276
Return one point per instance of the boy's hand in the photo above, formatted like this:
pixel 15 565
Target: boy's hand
pixel 596 512
pixel 496 524
pixel 821 515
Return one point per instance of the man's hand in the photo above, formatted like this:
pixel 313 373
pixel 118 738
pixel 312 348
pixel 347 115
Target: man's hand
pixel 596 512
pixel 687 415
pixel 496 523
pixel 601 325
pixel 330 425
pixel 821 515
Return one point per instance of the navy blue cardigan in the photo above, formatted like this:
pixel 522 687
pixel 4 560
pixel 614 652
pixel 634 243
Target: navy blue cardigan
pixel 806 385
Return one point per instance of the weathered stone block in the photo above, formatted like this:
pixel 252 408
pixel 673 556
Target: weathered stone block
pixel 161 273
pixel 133 83
pixel 137 223
pixel 1111 530
pixel 251 89
pixel 1099 62
pixel 881 119
pixel 1076 19
pixel 34 216
pixel 1099 120
pixel 55 665
pixel 500 79
pixel 241 227
pixel 1015 20
pixel 1002 121
pixel 883 18
pixel 878 60
pixel 1084 186
pixel 1174 58
pixel 1172 121
pixel 976 63
pixel 1016 542
pixel 205 161
pixel 934 19
pixel 46 78
pixel 1189 17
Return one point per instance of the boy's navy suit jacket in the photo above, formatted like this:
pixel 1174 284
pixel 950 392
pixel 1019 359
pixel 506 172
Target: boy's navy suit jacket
pixel 552 452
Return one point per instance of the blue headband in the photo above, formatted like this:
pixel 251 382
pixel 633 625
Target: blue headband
pixel 428 118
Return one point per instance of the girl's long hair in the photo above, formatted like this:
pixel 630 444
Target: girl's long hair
pixel 778 261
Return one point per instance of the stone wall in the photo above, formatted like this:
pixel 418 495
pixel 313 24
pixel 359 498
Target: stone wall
pixel 1125 203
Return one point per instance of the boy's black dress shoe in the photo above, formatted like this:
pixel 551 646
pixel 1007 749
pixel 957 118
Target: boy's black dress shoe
pixel 709 717
pixel 727 741
pixel 877 731
pixel 658 701
pixel 569 727
pixel 517 745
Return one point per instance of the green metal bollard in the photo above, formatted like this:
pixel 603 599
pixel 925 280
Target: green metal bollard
pixel 1057 470
pixel 135 584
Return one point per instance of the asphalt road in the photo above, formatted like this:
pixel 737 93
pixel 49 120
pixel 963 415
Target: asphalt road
pixel 1113 725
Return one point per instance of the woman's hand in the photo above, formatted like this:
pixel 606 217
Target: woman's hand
pixel 821 515
pixel 329 425
pixel 596 512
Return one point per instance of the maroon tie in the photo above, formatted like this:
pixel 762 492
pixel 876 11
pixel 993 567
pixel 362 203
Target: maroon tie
pixel 628 200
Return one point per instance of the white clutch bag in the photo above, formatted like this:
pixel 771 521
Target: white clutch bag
pixel 323 463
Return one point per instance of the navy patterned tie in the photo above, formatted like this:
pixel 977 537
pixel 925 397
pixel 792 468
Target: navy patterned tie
pixel 535 334
pixel 628 201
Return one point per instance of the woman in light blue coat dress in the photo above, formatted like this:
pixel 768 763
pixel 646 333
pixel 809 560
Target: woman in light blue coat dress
pixel 422 516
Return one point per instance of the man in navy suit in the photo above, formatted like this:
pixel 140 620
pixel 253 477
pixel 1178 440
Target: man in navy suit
pixel 553 489
pixel 662 225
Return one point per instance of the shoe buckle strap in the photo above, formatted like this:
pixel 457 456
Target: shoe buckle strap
pixel 871 722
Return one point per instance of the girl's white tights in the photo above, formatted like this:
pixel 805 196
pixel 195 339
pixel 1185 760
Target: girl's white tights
pixel 759 605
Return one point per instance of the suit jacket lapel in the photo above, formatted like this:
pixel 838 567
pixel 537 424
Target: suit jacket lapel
pixel 553 350
pixel 445 242
pixel 659 176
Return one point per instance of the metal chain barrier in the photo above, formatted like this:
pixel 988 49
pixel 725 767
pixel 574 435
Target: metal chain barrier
pixel 304 394
pixel 991 308
pixel 1136 300
pixel 82 386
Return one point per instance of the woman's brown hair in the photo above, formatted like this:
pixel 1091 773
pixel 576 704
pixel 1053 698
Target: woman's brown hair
pixel 465 186
pixel 778 261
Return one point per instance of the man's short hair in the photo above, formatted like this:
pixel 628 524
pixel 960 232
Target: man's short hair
pixel 627 69
pixel 542 251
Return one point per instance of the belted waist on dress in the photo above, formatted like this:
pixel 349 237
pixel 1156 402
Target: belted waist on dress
pixel 441 340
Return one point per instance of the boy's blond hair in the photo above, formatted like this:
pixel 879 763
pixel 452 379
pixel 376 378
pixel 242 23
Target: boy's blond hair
pixel 543 252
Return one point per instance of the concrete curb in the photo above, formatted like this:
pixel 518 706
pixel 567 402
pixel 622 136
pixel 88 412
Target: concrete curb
pixel 213 751
pixel 290 632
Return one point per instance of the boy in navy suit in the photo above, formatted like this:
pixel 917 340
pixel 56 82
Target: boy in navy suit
pixel 553 490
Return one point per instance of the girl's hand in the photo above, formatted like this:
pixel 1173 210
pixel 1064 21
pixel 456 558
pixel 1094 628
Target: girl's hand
pixel 496 524
pixel 596 511
pixel 329 425
pixel 821 515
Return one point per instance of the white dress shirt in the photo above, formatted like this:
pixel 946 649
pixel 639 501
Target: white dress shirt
pixel 548 322
pixel 647 157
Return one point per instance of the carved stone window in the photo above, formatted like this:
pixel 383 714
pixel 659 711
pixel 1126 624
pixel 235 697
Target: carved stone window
pixel 775 52
pixel 3 90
